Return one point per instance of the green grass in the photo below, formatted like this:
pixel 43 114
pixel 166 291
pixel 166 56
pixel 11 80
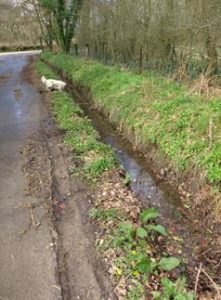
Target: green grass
pixel 154 110
pixel 44 70
pixel 80 135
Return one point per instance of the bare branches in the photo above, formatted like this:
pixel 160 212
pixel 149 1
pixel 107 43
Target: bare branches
pixel 14 31
pixel 197 277
pixel 172 34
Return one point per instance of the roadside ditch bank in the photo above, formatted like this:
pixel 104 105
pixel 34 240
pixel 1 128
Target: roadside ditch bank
pixel 177 131
pixel 107 204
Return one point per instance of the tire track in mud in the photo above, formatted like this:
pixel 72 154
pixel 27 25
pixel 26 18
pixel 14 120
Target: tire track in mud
pixel 80 275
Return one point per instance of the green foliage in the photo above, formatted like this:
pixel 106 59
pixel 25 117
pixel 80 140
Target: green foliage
pixel 66 16
pixel 141 232
pixel 135 262
pixel 145 216
pixel 127 179
pixel 154 110
pixel 136 290
pixel 49 4
pixel 126 233
pixel 60 21
pixel 110 213
pixel 168 263
pixel 158 228
pixel 173 291
pixel 43 70
pixel 102 163
pixel 148 214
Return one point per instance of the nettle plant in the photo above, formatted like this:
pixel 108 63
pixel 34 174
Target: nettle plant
pixel 136 258
pixel 137 238
pixel 175 291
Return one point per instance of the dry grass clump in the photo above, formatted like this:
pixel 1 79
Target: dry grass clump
pixel 205 85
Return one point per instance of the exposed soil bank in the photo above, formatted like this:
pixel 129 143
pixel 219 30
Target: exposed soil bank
pixel 193 232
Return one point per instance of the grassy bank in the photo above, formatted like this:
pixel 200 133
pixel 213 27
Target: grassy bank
pixel 95 156
pixel 152 110
pixel 132 243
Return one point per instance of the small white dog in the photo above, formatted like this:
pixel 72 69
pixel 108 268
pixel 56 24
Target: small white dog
pixel 52 84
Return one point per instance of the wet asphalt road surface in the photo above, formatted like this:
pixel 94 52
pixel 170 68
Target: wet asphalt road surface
pixel 27 262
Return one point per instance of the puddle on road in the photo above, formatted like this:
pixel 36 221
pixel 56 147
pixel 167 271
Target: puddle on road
pixel 19 113
pixel 5 74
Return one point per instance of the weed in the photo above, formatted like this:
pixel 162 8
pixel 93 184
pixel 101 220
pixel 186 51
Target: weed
pixel 111 213
pixel 135 291
pixel 137 260
pixel 127 179
pixel 175 291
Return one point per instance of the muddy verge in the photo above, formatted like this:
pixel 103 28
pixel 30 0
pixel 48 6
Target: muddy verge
pixel 80 274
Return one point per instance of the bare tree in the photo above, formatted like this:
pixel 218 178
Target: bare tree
pixel 14 32
pixel 164 35
pixel 66 15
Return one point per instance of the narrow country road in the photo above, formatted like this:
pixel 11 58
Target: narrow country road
pixel 27 262
pixel 47 241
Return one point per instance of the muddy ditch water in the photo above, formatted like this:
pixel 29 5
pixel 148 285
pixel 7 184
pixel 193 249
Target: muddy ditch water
pixel 143 181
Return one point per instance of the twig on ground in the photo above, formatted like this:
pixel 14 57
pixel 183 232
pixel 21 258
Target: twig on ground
pixel 213 283
pixel 204 252
pixel 32 218
pixel 197 277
